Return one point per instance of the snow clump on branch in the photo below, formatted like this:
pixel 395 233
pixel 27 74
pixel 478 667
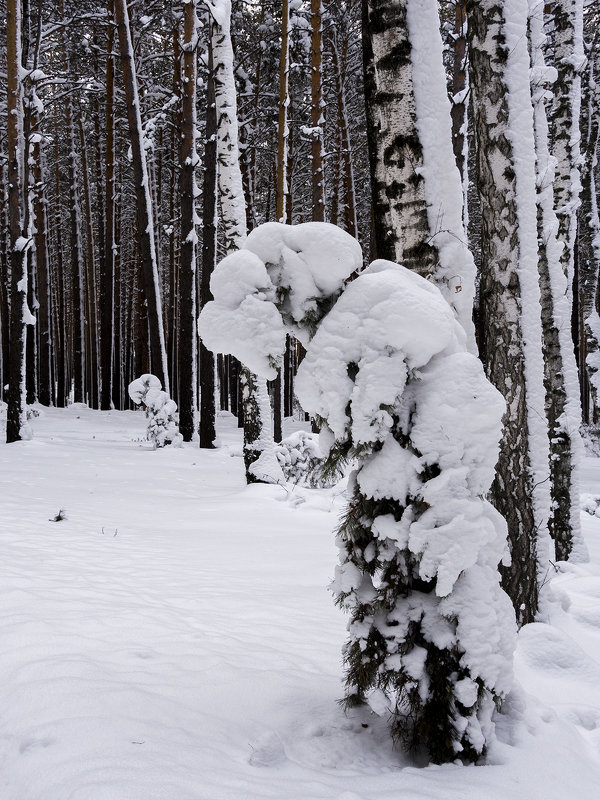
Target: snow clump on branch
pixel 161 411
pixel 284 279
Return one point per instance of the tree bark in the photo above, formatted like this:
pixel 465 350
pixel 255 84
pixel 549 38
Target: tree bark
pixel 16 423
pixel 188 400
pixel 509 294
pixel 145 218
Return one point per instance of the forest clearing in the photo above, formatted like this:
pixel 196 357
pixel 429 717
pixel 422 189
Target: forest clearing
pixel 173 638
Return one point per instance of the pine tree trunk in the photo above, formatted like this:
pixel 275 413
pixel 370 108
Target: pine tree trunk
pixel 107 265
pixel 91 329
pixel 4 283
pixel 145 217
pixel 46 392
pixel 317 110
pixel 16 412
pixel 188 400
pixel 282 123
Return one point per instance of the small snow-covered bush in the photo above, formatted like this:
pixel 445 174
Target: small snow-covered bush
pixel 301 460
pixel 161 411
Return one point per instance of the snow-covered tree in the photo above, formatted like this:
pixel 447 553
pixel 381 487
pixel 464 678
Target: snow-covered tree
pixel 560 370
pixel 388 373
pixel 16 421
pixel 259 455
pixel 509 287
pixel 161 411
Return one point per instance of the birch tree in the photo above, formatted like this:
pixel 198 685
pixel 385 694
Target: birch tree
pixel 560 370
pixel 259 454
pixel 416 187
pixel 510 292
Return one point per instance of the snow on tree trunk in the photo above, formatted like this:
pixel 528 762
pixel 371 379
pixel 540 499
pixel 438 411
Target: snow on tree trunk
pixel 281 210
pixel 145 217
pixel 510 292
pixel 560 370
pixel 317 109
pixel 209 250
pixel 16 420
pixel 257 413
pixel 589 248
pixel 418 195
pixel 569 59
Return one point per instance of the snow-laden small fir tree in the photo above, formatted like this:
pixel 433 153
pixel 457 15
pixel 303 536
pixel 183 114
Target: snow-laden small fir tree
pixel 388 372
pixel 161 411
pixel 431 631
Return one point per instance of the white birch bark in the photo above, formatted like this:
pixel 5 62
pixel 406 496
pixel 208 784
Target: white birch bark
pixel 259 453
pixel 562 387
pixel 510 292
pixel 455 271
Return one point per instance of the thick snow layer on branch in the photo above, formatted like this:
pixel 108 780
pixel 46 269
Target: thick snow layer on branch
pixel 284 276
pixel 308 263
pixel 387 321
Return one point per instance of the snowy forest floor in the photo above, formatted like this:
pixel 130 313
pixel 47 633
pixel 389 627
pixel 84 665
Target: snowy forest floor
pixel 173 638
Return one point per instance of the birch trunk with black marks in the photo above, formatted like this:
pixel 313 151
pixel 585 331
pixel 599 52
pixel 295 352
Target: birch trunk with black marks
pixel 509 295
pixel 259 455
pixel 560 370
pixel 400 224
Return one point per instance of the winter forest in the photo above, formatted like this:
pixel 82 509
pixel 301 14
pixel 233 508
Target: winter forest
pixel 299 400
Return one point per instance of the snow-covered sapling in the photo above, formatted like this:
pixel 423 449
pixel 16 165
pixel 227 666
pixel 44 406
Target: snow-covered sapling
pixel 301 460
pixel 431 632
pixel 388 373
pixel 161 411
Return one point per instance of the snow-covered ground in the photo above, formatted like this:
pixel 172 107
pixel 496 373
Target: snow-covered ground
pixel 173 638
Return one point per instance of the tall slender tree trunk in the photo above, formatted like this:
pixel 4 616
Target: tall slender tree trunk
pixel 259 456
pixel 560 370
pixel 510 294
pixel 209 250
pixel 91 328
pixel 317 110
pixel 145 217
pixel 107 265
pixel 46 393
pixel 282 123
pixel 188 400
pixel 16 422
